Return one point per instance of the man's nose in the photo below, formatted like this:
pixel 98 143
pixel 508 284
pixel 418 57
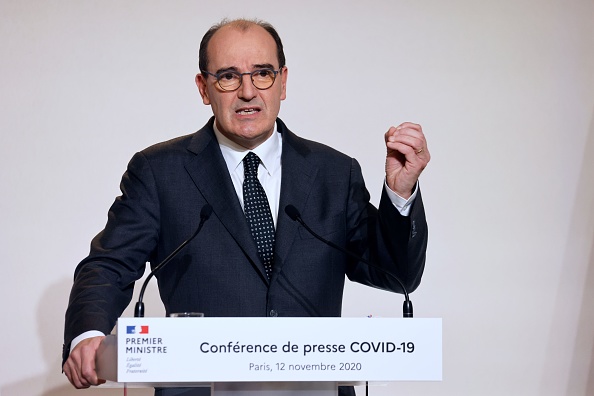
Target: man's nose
pixel 247 91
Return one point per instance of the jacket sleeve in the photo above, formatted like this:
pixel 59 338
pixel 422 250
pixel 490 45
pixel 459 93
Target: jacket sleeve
pixel 384 237
pixel 104 280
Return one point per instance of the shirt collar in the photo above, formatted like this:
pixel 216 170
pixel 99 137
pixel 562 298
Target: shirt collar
pixel 269 151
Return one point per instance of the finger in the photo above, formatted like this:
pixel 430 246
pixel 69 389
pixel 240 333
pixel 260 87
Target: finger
pixel 391 132
pixel 413 141
pixel 413 132
pixel 80 365
pixel 417 158
pixel 412 137
pixel 406 129
pixel 410 125
pixel 410 153
pixel 73 374
pixel 410 147
pixel 88 370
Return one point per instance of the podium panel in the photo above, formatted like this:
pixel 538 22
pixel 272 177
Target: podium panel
pixel 274 388
pixel 183 351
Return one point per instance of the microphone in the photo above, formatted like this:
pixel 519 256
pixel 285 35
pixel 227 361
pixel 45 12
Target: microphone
pixel 204 215
pixel 407 308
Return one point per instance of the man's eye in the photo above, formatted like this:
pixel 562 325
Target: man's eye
pixel 263 73
pixel 227 76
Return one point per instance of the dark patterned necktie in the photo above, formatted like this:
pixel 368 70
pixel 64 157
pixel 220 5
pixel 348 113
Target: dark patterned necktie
pixel 257 211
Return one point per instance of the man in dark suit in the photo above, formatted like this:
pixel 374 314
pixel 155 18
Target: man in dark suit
pixel 225 271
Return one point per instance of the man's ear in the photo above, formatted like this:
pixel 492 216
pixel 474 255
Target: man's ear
pixel 201 84
pixel 284 76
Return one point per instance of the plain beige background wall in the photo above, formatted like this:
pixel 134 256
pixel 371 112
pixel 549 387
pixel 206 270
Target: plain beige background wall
pixel 504 91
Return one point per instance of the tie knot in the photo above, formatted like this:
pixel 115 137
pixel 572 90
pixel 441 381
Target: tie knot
pixel 250 163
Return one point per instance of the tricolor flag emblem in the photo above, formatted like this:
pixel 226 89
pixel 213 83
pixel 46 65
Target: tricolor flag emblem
pixel 137 329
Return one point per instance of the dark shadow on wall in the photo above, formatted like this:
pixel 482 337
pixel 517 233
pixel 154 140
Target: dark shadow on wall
pixel 585 337
pixel 582 366
pixel 571 333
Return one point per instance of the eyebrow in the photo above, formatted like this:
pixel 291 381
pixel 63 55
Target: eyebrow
pixel 264 66
pixel 254 67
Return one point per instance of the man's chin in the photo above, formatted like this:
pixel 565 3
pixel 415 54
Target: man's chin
pixel 250 137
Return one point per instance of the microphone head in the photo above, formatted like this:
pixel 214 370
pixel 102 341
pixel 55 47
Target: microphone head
pixel 206 212
pixel 292 212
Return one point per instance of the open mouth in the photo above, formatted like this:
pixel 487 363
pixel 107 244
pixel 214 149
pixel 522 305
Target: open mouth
pixel 247 111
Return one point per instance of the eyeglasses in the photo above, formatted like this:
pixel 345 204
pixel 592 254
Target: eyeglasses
pixel 230 80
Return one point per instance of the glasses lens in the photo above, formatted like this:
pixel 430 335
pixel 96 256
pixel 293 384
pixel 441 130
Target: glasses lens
pixel 264 78
pixel 229 81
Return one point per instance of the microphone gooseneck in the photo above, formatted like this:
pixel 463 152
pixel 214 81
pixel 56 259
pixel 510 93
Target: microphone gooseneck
pixel 407 308
pixel 204 215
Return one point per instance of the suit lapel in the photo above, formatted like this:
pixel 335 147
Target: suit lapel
pixel 209 173
pixel 298 176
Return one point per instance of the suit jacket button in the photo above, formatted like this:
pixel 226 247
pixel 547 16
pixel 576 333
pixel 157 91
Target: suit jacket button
pixel 273 313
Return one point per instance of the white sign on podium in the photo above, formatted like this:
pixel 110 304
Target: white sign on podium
pixel 342 350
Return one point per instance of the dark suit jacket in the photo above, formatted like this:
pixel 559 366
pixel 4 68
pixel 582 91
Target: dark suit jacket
pixel 219 273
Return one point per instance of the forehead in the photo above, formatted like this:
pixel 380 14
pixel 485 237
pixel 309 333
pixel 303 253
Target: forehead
pixel 242 49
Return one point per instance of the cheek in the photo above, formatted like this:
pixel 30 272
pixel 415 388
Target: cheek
pixel 281 94
pixel 274 98
pixel 220 108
